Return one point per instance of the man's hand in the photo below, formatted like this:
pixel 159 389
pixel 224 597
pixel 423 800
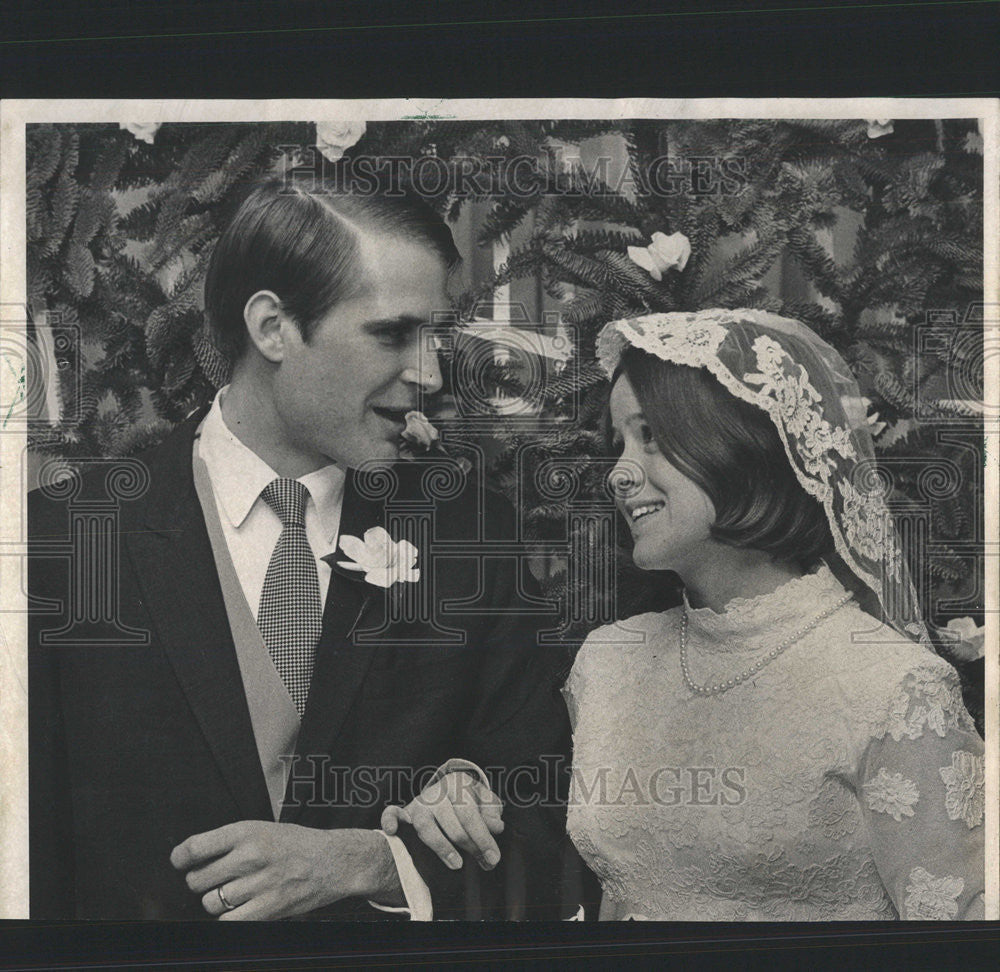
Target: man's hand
pixel 271 870
pixel 456 811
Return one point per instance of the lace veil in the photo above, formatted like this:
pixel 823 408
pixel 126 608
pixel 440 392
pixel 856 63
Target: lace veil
pixel 785 369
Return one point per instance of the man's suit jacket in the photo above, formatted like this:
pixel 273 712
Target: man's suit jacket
pixel 134 748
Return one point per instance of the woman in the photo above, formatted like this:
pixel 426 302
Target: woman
pixel 781 746
pixel 784 745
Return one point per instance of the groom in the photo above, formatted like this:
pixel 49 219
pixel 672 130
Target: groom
pixel 237 763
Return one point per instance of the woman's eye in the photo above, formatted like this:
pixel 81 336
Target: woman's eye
pixel 646 437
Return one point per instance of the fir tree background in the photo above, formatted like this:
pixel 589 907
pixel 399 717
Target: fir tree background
pixel 120 227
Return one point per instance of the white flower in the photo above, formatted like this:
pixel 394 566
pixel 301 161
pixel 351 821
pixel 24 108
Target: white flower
pixel 891 794
pixel 857 410
pixel 383 560
pixel 966 630
pixel 973 143
pixel 664 253
pixel 877 127
pixel 419 435
pixel 144 131
pixel 928 897
pixel 875 425
pixel 335 137
pixel 966 797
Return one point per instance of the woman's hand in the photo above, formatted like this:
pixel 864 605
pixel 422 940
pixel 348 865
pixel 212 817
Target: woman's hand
pixel 457 811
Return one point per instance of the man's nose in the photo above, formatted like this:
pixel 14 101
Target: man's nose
pixel 424 369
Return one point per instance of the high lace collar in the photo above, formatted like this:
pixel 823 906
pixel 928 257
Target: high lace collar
pixel 745 623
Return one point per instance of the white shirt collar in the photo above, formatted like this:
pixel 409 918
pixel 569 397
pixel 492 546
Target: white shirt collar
pixel 239 475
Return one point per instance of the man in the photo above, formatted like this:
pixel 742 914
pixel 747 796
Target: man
pixel 238 763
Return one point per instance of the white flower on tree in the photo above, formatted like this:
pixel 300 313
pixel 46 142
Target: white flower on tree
pixel 877 127
pixel 333 138
pixel 664 253
pixel 143 131
pixel 971 637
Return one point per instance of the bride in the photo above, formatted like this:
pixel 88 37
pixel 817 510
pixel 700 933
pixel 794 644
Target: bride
pixel 784 745
pixel 781 746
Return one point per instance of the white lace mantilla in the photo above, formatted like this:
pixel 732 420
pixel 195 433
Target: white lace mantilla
pixel 785 369
pixel 843 781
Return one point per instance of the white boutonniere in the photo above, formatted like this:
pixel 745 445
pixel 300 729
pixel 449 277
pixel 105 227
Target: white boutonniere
pixel 383 561
pixel 664 253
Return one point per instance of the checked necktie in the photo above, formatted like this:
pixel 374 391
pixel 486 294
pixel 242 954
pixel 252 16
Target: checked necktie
pixel 290 615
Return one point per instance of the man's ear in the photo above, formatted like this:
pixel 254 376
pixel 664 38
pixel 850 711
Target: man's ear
pixel 267 324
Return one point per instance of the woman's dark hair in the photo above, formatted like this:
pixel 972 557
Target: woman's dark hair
pixel 303 245
pixel 732 450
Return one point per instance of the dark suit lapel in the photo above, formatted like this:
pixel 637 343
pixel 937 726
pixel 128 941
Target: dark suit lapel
pixel 176 569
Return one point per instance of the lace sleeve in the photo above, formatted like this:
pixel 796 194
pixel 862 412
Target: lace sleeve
pixel 922 793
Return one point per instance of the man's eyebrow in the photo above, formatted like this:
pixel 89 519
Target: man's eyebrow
pixel 403 320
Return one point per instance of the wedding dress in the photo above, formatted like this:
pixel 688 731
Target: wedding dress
pixel 844 780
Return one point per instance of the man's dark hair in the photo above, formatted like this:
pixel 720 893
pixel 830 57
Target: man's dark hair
pixel 303 245
pixel 732 450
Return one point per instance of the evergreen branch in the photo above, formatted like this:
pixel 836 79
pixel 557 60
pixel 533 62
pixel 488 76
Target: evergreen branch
pixel 108 166
pixel 815 261
pixel 738 275
pixel 43 154
pixel 505 216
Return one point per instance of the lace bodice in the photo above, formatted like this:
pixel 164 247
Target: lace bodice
pixel 843 781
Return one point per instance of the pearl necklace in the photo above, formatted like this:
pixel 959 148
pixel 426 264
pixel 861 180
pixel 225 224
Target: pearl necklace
pixel 758 665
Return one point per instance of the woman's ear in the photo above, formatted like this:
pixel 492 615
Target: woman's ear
pixel 264 316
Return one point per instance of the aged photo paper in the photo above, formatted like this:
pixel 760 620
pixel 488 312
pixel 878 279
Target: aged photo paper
pixel 603 493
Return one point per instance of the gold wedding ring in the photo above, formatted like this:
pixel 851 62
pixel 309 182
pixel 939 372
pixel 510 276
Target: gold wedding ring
pixel 224 899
